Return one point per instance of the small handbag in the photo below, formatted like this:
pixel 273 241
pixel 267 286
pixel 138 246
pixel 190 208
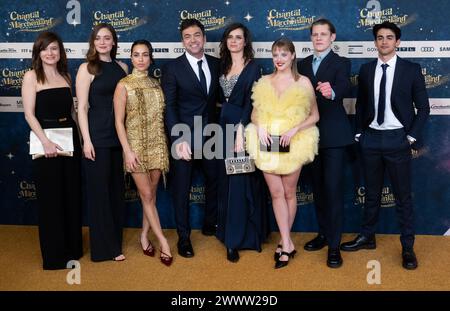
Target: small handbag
pixel 239 165
pixel 60 136
pixel 274 146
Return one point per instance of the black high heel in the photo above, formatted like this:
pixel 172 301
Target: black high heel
pixel 280 264
pixel 277 255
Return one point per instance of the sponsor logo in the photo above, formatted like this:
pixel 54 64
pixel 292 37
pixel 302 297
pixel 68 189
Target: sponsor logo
pixel 197 195
pixel 427 49
pixel 27 190
pixel 307 50
pixel 161 50
pixel 211 19
pixel 387 197
pixel 8 50
pixel 178 50
pixel 33 21
pixel 373 14
pixel 432 81
pixel 12 78
pixel 288 20
pixel 355 49
pixel 304 197
pixel 119 20
pixel 405 49
pixel 444 49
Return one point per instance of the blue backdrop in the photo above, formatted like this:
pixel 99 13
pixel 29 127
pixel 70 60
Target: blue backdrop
pixel 425 37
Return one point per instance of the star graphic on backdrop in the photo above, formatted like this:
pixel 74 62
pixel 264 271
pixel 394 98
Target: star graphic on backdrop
pixel 7 34
pixel 135 4
pixel 12 172
pixel 282 33
pixel 74 23
pixel 248 17
pixel 227 2
pixel 10 155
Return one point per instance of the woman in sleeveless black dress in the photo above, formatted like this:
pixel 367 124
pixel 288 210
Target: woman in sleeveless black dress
pixel 103 164
pixel 48 103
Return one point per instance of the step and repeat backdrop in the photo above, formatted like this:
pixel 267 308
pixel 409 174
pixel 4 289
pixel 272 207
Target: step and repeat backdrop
pixel 425 39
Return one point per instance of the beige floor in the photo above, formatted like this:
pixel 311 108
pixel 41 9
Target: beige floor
pixel 20 266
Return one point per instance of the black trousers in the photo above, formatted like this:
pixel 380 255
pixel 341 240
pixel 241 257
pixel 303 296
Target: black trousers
pixel 105 196
pixel 58 190
pixel 387 150
pixel 327 173
pixel 181 179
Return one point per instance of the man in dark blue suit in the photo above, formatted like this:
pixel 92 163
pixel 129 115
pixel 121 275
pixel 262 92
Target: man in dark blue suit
pixel 330 75
pixel 190 85
pixel 390 89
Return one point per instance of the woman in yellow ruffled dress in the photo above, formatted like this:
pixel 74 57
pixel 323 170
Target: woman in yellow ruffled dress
pixel 284 105
pixel 139 113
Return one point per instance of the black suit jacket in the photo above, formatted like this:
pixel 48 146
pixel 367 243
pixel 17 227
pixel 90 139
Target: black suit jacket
pixel 334 125
pixel 408 92
pixel 184 95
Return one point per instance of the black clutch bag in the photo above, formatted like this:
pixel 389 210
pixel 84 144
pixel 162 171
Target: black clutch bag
pixel 274 146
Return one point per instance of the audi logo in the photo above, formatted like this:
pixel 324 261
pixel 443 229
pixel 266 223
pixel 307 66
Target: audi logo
pixel 427 49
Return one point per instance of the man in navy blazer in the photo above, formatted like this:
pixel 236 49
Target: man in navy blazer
pixel 390 89
pixel 190 85
pixel 330 75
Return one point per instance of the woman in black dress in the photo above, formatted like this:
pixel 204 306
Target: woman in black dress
pixel 96 82
pixel 48 103
pixel 242 209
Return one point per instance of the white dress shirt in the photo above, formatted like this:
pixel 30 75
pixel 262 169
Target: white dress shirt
pixel 193 62
pixel 390 121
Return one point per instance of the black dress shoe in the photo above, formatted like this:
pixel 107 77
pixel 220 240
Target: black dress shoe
pixel 360 242
pixel 185 249
pixel 232 255
pixel 209 230
pixel 280 263
pixel 409 259
pixel 334 259
pixel 319 242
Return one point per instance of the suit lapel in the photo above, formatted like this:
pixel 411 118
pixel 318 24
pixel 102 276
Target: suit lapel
pixel 214 73
pixel 397 75
pixel 192 75
pixel 371 80
pixel 240 80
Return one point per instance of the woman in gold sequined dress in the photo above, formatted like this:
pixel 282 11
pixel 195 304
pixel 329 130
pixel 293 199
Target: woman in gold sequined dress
pixel 139 114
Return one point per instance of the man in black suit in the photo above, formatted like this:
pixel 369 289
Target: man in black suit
pixel 190 85
pixel 330 75
pixel 387 128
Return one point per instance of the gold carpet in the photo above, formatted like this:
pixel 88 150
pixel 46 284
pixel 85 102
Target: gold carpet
pixel 21 267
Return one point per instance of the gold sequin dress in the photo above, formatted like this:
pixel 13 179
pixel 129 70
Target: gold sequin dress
pixel 144 121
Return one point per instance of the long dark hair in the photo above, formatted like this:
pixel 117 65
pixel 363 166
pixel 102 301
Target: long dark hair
pixel 92 57
pixel 41 43
pixel 286 44
pixel 225 55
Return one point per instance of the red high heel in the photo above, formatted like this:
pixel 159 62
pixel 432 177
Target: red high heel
pixel 150 251
pixel 166 259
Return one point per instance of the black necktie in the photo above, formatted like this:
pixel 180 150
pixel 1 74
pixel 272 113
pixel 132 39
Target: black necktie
pixel 202 76
pixel 382 96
